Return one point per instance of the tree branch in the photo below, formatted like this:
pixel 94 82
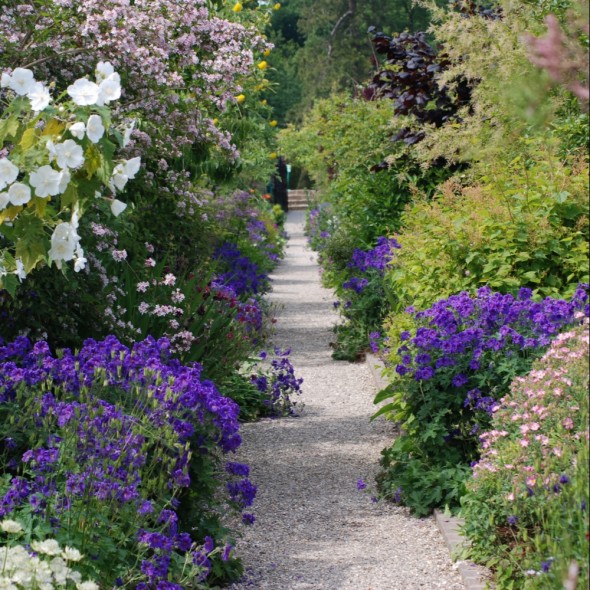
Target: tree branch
pixel 350 12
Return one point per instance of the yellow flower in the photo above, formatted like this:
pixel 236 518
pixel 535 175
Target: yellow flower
pixel 263 101
pixel 273 123
pixel 266 52
pixel 273 156
pixel 262 65
pixel 277 6
pixel 237 7
pixel 240 98
pixel 215 121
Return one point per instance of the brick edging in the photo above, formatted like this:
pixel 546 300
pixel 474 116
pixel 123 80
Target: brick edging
pixel 472 575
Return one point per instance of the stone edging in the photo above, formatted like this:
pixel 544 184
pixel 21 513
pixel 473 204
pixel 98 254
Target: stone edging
pixel 473 575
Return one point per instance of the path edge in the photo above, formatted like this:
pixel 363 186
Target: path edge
pixel 472 575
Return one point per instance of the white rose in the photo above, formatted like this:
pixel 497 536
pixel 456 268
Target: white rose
pixel 45 180
pixel 69 154
pixel 39 97
pixel 77 130
pixel 117 207
pixel 8 172
pixel 19 193
pixel 94 128
pixel 22 81
pixel 84 92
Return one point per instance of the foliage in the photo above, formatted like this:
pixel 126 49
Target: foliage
pixel 450 371
pixel 525 223
pixel 526 506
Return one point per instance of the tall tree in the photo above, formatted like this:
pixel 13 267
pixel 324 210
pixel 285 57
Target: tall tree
pixel 323 46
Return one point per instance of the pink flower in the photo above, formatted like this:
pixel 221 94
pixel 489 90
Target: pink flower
pixel 568 423
pixel 150 262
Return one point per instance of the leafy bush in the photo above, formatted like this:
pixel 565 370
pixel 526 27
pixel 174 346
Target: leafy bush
pixel 526 506
pixel 453 367
pixel 119 452
pixel 525 225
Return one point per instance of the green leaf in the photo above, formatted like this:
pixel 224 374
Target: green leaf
pixel 383 395
pixel 31 241
pixel 384 410
pixel 8 128
pixel 10 283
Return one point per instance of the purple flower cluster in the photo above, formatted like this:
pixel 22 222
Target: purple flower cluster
pixel 378 257
pixel 279 384
pixel 458 336
pixel 239 272
pixel 126 413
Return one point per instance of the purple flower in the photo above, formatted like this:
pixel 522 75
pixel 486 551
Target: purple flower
pixel 361 485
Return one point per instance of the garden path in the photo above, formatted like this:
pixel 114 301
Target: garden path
pixel 314 529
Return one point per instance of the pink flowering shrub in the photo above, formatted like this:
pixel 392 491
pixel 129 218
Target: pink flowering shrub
pixel 526 507
pixel 182 63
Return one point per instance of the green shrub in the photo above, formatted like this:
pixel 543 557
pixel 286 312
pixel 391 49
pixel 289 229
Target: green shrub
pixel 525 224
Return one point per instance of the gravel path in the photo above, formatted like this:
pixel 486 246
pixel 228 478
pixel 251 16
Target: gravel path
pixel 314 529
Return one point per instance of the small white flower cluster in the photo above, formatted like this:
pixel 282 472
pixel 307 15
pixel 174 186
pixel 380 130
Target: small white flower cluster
pixel 48 570
pixel 46 181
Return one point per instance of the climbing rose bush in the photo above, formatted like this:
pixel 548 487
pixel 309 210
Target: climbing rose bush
pixel 451 371
pixel 55 158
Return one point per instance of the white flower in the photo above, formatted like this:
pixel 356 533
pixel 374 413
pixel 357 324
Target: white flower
pixel 4 200
pixel 48 547
pixel 94 128
pixel 127 133
pixel 110 89
pixel 61 250
pixel 103 70
pixel 89 585
pixel 131 167
pixel 84 92
pixel 22 275
pixel 119 178
pixel 5 80
pixel 69 154
pixel 45 181
pixel 79 264
pixel 22 81
pixel 71 554
pixel 8 172
pixel 7 525
pixel 77 130
pixel 51 149
pixel 19 193
pixel 117 207
pixel 64 232
pixel 64 180
pixel 39 97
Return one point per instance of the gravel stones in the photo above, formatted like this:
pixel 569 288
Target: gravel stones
pixel 315 530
